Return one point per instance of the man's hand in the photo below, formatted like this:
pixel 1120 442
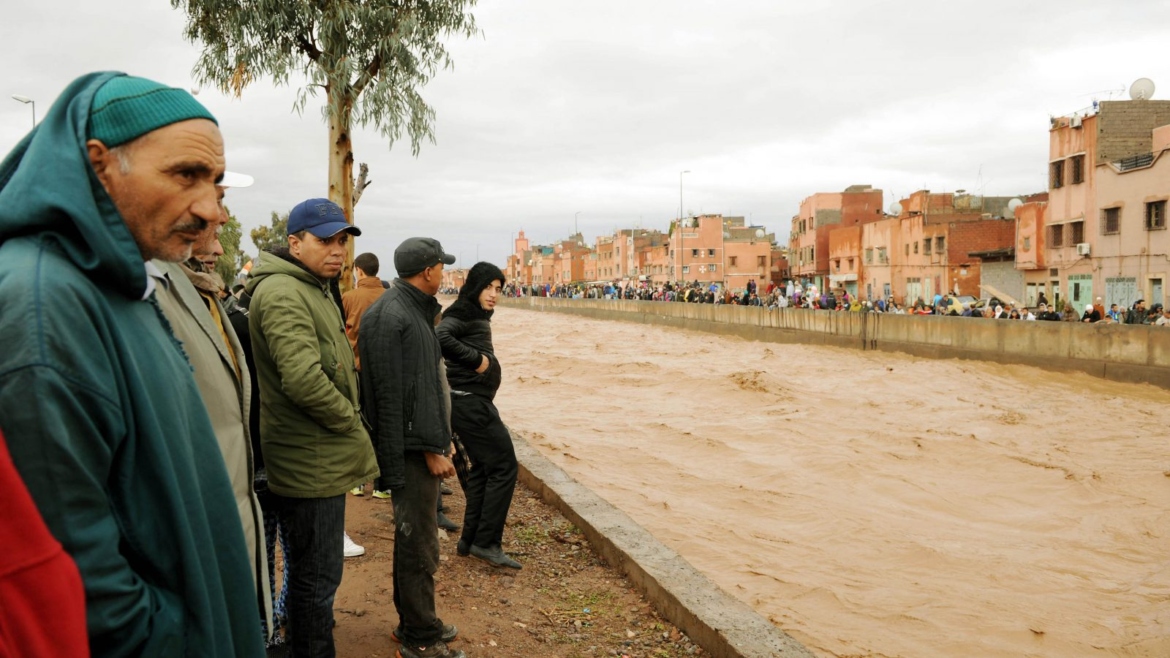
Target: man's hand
pixel 439 465
pixel 483 366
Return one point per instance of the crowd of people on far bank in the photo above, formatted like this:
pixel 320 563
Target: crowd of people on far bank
pixel 795 295
pixel 160 435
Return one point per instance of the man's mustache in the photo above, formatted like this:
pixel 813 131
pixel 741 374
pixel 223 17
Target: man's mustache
pixel 195 224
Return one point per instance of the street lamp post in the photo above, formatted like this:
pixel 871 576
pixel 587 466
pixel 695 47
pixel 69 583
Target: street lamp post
pixel 679 276
pixel 28 101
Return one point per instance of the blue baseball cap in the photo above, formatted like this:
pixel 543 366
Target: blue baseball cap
pixel 321 217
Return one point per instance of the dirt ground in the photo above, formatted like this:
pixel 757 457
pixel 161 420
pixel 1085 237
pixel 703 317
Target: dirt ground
pixel 564 603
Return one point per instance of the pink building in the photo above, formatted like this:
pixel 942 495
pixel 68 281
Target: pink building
pixel 1104 225
pixel 696 249
pixel 939 244
pixel 808 242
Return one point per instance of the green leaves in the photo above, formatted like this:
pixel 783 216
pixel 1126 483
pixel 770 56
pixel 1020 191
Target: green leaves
pixel 267 238
pixel 373 56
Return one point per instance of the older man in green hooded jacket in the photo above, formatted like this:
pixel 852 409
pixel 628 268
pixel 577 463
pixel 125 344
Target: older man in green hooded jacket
pixel 108 428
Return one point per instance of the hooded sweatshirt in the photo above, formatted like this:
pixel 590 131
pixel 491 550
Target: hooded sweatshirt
pixel 103 418
pixel 311 431
pixel 465 334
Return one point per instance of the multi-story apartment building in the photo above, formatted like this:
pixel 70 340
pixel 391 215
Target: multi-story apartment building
pixel 808 241
pixel 937 244
pixel 1102 233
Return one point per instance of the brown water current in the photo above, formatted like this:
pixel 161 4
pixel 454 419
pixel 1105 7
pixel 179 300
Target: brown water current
pixel 868 503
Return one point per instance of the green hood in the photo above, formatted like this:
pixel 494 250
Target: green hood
pixel 279 262
pixel 47 186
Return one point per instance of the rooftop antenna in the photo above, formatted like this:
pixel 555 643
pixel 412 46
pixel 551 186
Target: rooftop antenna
pixel 1142 89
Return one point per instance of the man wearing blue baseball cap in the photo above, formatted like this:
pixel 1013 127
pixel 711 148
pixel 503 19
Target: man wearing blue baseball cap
pixel 311 433
pixel 105 422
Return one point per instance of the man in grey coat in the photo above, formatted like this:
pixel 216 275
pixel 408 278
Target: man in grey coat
pixel 188 298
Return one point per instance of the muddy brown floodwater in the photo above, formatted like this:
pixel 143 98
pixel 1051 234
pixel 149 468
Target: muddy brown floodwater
pixel 868 503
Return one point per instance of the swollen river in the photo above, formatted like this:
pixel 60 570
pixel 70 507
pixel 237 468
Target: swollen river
pixel 868 503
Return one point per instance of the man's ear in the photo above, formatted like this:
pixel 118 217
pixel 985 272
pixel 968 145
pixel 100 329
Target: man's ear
pixel 99 158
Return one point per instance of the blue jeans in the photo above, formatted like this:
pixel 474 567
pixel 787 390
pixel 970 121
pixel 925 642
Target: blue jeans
pixel 314 528
pixel 416 552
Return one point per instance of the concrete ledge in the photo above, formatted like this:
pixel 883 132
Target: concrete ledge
pixel 1131 354
pixel 723 626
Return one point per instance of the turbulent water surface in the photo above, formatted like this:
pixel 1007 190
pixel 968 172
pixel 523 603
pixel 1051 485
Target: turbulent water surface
pixel 869 504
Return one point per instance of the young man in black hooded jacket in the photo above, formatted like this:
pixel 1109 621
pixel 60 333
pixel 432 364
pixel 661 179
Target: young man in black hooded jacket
pixel 473 372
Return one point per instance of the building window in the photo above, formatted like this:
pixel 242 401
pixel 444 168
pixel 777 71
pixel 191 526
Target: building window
pixel 1057 175
pixel 850 264
pixel 837 264
pixel 1027 244
pixel 869 256
pixel 686 269
pixel 761 261
pixel 907 248
pixel 710 253
pixel 915 246
pixel 1056 235
pixel 883 257
pixel 926 246
pixel 694 253
pixel 1110 220
pixel 940 244
pixel 1078 169
pixel 1155 215
pixel 714 267
pixel 1078 232
pixel 731 260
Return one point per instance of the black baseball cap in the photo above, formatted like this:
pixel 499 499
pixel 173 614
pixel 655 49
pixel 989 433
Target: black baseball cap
pixel 417 254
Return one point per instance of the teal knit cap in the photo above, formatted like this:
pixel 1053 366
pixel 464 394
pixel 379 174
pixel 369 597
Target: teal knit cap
pixel 126 108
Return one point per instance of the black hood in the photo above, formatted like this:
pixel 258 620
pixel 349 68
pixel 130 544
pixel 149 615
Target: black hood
pixel 467 307
pixel 479 277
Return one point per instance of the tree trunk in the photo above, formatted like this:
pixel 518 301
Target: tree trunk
pixel 341 168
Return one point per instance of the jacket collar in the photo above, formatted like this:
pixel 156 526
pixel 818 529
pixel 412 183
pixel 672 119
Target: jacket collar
pixel 425 303
pixel 370 282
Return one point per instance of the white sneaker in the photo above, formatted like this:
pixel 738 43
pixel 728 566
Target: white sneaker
pixel 352 549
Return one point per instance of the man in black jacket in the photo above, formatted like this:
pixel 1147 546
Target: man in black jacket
pixel 408 409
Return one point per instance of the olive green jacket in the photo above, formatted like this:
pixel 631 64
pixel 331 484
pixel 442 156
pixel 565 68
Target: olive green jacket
pixel 311 432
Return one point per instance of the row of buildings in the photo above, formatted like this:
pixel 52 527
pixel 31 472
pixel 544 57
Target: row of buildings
pixel 1098 230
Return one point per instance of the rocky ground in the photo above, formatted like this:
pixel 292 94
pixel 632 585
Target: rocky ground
pixel 565 602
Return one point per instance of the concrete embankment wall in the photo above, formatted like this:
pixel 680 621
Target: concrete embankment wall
pixel 1126 353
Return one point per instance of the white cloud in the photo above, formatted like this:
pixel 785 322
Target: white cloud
pixel 565 107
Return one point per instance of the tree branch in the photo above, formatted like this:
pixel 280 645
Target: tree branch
pixel 361 183
pixel 368 74
pixel 308 47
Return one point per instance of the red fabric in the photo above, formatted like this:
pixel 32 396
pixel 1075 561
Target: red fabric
pixel 42 601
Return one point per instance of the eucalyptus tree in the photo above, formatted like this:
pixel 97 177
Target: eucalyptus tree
pixel 369 57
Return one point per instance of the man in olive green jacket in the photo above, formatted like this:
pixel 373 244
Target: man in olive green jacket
pixel 315 445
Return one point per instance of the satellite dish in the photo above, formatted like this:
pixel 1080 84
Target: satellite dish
pixel 195 91
pixel 896 208
pixel 1142 89
pixel 759 233
pixel 1012 205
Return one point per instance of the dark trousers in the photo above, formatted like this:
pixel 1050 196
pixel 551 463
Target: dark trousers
pixel 416 552
pixel 313 528
pixel 492 478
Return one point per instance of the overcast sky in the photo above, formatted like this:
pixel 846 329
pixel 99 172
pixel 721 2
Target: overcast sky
pixel 594 108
